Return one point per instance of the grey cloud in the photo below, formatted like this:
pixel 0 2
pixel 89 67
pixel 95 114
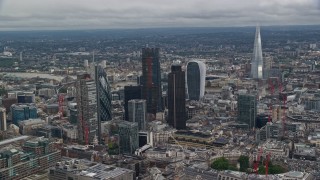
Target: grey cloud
pixel 61 14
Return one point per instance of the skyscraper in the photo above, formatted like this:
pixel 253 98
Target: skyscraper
pixel 3 119
pixel 98 73
pixel 137 112
pixel 247 110
pixel 151 80
pixel 131 92
pixel 128 134
pixel 196 77
pixel 257 61
pixel 87 108
pixel 177 97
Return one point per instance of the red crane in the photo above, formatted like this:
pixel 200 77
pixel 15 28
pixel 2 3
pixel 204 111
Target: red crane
pixel 256 164
pixel 267 165
pixel 283 97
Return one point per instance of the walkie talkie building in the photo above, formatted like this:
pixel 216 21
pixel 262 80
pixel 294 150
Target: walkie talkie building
pixel 195 77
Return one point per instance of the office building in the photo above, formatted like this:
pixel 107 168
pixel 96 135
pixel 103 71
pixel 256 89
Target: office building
pixel 128 134
pixel 104 98
pixel 131 92
pixel 177 97
pixel 195 77
pixel 37 155
pixel 87 108
pixel 257 61
pixel 247 110
pixel 86 170
pixel 21 112
pixel 27 97
pixel 151 80
pixel 138 112
pixel 3 119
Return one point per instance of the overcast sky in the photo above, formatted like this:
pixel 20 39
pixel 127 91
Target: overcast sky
pixel 105 14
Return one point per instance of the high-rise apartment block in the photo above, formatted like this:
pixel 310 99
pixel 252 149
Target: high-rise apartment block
pixel 257 60
pixel 177 97
pixel 195 77
pixel 247 110
pixel 138 112
pixel 151 80
pixel 87 108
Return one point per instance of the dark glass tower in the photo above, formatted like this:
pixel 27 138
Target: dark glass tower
pixel 196 75
pixel 131 92
pixel 177 97
pixel 247 110
pixel 151 80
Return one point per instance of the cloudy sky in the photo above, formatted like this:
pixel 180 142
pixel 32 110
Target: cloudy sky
pixel 102 14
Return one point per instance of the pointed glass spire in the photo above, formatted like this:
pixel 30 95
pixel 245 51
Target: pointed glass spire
pixel 257 61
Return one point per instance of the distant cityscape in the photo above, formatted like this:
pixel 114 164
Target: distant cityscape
pixel 156 104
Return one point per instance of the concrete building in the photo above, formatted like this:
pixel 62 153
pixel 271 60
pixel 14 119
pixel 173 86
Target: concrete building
pixel 137 112
pixel 37 155
pixel 87 170
pixel 29 127
pixel 87 108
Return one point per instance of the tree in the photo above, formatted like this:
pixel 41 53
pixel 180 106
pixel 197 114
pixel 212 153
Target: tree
pixel 220 164
pixel 244 163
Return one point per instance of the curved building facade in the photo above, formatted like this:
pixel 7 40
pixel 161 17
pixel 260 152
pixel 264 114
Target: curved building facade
pixel 257 60
pixel 195 78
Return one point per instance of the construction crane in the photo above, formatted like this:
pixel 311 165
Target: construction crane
pixel 60 102
pixel 267 165
pixel 256 164
pixel 283 97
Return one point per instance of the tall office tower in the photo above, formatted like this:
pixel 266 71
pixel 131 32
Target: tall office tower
pixel 98 73
pixel 137 112
pixel 257 61
pixel 247 110
pixel 131 92
pixel 104 97
pixel 196 77
pixel 128 134
pixel 87 108
pixel 3 119
pixel 21 112
pixel 177 97
pixel 151 80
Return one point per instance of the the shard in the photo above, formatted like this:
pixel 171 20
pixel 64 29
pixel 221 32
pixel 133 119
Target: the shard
pixel 257 61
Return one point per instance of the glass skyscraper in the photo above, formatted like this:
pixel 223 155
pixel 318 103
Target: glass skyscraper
pixel 177 97
pixel 151 79
pixel 247 110
pixel 257 61
pixel 21 112
pixel 137 112
pixel 195 77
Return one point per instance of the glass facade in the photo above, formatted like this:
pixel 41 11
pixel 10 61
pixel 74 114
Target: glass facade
pixel 196 74
pixel 257 61
pixel 247 110
pixel 23 112
pixel 151 79
pixel 137 112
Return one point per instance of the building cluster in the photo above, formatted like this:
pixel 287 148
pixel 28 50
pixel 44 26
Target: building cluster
pixel 165 115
